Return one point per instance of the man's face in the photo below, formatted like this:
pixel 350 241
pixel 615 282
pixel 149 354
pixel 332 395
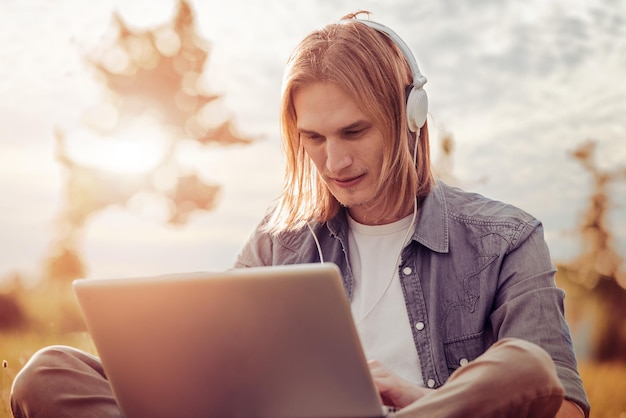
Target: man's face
pixel 344 144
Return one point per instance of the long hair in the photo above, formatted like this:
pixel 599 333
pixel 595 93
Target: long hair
pixel 369 67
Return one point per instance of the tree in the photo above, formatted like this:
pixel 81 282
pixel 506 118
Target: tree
pixel 156 72
pixel 595 277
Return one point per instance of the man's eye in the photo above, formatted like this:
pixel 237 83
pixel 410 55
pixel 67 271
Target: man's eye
pixel 354 133
pixel 312 137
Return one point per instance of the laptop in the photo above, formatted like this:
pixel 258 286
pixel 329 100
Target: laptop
pixel 266 342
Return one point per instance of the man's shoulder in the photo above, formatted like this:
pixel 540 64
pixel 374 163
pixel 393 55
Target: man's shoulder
pixel 473 217
pixel 472 207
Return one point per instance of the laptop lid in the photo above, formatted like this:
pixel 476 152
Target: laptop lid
pixel 258 342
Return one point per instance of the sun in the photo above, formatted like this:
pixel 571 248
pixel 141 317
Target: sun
pixel 138 149
pixel 131 156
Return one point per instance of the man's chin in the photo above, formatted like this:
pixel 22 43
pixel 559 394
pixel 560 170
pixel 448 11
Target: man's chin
pixel 346 203
pixel 349 200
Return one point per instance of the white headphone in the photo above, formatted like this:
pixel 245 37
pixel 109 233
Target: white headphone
pixel 417 100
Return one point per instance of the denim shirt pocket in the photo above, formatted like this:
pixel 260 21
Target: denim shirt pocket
pixel 460 352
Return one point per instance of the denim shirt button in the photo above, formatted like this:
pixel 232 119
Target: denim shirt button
pixel 419 326
pixel 407 270
pixel 463 362
pixel 431 383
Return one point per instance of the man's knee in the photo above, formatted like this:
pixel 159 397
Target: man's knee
pixel 512 378
pixel 31 383
pixel 528 379
pixel 527 363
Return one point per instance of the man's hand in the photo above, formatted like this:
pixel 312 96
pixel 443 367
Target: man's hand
pixel 394 390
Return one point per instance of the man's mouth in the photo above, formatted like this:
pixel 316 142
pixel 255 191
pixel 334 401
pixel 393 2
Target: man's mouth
pixel 347 182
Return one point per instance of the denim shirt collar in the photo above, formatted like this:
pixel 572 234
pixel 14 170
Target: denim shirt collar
pixel 431 227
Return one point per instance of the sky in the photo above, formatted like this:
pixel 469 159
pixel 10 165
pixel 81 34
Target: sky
pixel 518 85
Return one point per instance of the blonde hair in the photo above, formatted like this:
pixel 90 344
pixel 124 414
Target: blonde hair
pixel 369 67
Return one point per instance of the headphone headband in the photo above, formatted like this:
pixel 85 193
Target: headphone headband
pixel 417 100
pixel 418 78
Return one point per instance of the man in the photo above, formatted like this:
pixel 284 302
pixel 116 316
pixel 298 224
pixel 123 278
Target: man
pixel 436 276
pixel 453 294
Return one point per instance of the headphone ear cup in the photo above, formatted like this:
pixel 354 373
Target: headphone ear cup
pixel 416 108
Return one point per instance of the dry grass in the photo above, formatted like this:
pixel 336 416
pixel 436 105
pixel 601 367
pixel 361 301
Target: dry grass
pixel 606 388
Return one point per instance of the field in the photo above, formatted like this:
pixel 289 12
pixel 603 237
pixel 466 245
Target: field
pixel 53 319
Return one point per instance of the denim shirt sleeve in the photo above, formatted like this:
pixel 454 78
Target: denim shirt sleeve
pixel 257 251
pixel 482 272
pixel 528 305
pixel 294 247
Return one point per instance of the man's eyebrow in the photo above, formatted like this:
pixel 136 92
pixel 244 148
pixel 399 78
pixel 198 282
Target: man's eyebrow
pixel 359 124
pixel 306 131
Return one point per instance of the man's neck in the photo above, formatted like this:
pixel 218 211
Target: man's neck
pixel 372 216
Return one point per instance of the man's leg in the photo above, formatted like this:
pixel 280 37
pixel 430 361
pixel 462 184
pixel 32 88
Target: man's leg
pixel 62 381
pixel 513 379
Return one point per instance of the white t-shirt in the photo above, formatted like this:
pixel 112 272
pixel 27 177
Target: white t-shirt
pixel 382 320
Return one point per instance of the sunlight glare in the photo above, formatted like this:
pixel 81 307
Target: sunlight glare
pixel 139 149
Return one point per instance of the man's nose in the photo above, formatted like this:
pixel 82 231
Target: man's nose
pixel 338 155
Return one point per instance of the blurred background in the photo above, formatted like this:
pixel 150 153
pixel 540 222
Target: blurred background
pixel 141 137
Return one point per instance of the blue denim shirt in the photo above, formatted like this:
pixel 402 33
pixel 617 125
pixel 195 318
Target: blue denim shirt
pixel 476 271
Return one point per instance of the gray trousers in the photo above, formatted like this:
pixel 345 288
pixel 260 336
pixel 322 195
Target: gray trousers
pixel 512 379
